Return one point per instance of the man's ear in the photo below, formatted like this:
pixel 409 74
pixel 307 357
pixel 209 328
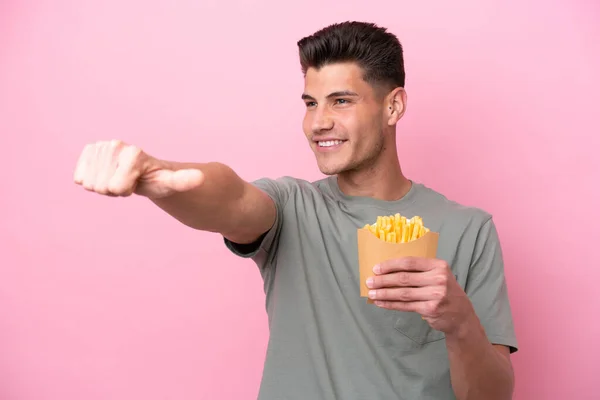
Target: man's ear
pixel 396 105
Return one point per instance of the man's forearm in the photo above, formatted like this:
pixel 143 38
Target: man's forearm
pixel 210 206
pixel 477 369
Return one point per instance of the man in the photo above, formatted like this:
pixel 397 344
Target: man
pixel 439 328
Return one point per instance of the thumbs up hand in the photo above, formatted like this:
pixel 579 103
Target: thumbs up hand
pixel 114 168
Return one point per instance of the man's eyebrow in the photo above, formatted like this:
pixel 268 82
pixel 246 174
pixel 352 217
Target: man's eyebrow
pixel 340 93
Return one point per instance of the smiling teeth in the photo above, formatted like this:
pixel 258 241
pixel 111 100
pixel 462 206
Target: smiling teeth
pixel 330 143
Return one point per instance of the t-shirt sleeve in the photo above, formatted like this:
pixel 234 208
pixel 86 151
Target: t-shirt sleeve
pixel 265 247
pixel 486 287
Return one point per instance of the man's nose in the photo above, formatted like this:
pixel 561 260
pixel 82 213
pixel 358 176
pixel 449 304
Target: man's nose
pixel 322 122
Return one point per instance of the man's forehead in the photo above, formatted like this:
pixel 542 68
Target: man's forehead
pixel 334 78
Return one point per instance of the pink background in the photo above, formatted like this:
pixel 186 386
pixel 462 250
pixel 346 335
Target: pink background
pixel 104 298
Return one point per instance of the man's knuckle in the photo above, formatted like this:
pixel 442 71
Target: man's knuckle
pixel 135 151
pixel 404 295
pixel 404 279
pixel 102 189
pixel 386 280
pixel 117 186
pixel 442 279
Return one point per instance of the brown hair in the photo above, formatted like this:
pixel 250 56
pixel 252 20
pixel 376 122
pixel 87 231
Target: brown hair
pixel 376 51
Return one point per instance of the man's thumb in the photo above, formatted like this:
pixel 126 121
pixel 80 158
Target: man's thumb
pixel 185 179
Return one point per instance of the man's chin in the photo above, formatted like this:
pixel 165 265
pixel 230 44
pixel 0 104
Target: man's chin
pixel 331 169
pixel 328 172
pixel 332 165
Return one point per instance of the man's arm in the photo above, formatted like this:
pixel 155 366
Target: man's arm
pixel 479 350
pixel 472 320
pixel 224 204
pixel 208 196
pixel 479 369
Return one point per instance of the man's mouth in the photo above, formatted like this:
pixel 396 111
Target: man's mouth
pixel 329 143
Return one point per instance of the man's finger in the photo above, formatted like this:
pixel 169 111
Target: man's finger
pixel 406 294
pixel 404 279
pixel 420 307
pixel 414 264
pixel 82 162
pixel 127 171
pixel 91 168
pixel 186 179
pixel 106 167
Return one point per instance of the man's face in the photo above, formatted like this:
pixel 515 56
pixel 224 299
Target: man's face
pixel 344 120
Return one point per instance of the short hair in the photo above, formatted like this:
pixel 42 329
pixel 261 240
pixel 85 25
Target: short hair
pixel 376 51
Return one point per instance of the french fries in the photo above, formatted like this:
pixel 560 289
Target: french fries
pixel 397 228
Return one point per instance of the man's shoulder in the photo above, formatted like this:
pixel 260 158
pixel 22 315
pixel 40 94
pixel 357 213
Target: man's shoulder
pixel 450 209
pixel 291 183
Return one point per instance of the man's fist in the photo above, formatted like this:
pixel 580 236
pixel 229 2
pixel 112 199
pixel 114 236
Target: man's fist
pixel 117 169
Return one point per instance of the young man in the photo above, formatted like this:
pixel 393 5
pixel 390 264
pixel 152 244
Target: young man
pixel 439 328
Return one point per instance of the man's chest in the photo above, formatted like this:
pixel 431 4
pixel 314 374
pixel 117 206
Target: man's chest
pixel 318 243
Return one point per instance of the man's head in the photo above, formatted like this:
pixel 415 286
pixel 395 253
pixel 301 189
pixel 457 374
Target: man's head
pixel 354 95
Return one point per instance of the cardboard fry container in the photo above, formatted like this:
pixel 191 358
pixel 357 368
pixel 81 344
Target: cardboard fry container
pixel 372 251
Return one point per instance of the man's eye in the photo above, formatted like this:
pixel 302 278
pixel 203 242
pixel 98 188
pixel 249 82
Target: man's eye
pixel 342 101
pixel 310 104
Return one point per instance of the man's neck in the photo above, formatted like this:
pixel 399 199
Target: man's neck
pixel 387 184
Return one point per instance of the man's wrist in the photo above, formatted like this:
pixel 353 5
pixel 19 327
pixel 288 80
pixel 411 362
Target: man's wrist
pixel 467 330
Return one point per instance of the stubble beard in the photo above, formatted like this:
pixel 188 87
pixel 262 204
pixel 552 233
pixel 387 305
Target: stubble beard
pixel 357 165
